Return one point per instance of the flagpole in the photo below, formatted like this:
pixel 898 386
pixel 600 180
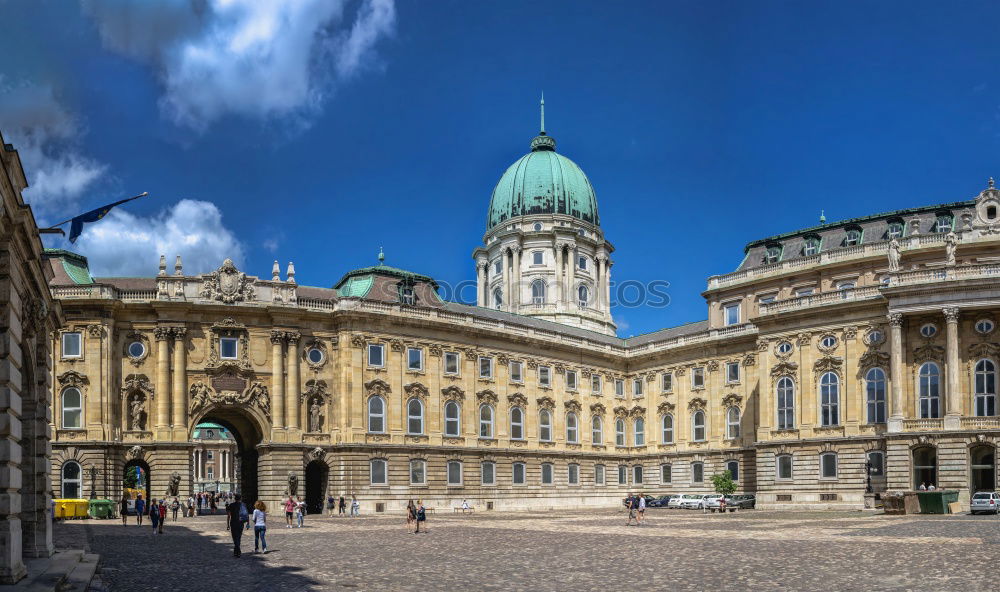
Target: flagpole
pixel 54 229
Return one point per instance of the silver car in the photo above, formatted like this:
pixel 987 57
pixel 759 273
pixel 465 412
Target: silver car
pixel 694 501
pixel 985 501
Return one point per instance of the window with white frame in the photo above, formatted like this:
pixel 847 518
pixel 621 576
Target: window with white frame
pixel 803 292
pixel 516 423
pixel 538 257
pixel 547 471
pixel 376 355
pixel 582 261
pixel 571 380
pixel 545 425
pixel 229 348
pixel 698 426
pixel 639 432
pixel 785 394
pixel 485 367
pixel 698 378
pixel 488 472
pixel 637 475
pixel 538 292
pixel 515 372
pixel 637 387
pixel 72 344
pixel 986 388
pixel 929 393
pixel 668 382
pixel 732 372
pixel 783 468
pixel 595 383
pixel 733 423
pixel 619 432
pixel 811 246
pixel 454 472
pixel 597 430
pixel 572 428
pixel 598 474
pixel 733 466
pixel 944 223
pixel 829 389
pixel 379 471
pixel 852 237
pixel 619 387
pixel 894 230
pixel 544 376
pixel 573 474
pixel 497 298
pixel 697 472
pixel 622 475
pixel 376 414
pixel 414 359
pixel 828 465
pixel 211 472
pixel 517 473
pixel 486 421
pixel 772 254
pixel 451 363
pixel 667 429
pixel 414 416
pixel 418 471
pixel 72 408
pixel 583 296
pixel 666 474
pixel 875 395
pixel 72 480
pixel 731 314
pixel 452 419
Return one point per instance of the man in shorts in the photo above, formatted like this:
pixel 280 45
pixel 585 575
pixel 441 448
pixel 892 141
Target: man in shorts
pixel 630 504
pixel 290 505
pixel 642 510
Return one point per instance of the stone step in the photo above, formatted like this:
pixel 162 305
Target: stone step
pixel 79 579
pixel 50 574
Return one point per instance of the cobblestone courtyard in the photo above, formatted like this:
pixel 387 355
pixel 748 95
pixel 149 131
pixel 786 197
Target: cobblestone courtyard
pixel 578 550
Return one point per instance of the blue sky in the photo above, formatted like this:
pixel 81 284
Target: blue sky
pixel 320 131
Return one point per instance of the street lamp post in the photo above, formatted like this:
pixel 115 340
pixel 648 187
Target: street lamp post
pixel 94 471
pixel 868 476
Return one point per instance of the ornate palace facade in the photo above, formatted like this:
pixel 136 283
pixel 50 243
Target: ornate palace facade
pixel 837 358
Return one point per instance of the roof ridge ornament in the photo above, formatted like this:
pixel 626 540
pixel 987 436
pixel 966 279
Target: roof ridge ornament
pixel 542 128
pixel 542 141
pixel 989 184
pixel 381 256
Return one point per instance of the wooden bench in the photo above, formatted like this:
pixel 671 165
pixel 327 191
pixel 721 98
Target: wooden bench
pixel 464 510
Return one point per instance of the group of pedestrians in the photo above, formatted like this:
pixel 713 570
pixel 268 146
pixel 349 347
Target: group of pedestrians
pixel 636 505
pixel 238 519
pixel 156 509
pixel 340 505
pixel 416 514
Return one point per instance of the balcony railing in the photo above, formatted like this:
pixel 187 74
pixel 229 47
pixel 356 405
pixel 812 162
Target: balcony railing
pixel 923 424
pixel 981 423
pixel 944 274
pixel 825 299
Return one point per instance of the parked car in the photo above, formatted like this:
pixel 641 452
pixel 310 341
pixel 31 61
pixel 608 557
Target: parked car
pixel 713 503
pixel 985 501
pixel 675 501
pixel 662 501
pixel 746 501
pixel 693 501
pixel 649 499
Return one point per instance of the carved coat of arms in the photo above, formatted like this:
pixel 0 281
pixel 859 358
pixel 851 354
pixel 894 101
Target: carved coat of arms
pixel 227 284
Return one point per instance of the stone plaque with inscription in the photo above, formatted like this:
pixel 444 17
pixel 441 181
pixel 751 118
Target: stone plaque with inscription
pixel 228 382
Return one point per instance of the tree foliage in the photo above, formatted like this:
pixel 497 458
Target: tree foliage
pixel 723 483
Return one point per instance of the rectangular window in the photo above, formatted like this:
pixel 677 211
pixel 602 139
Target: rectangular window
pixel 518 474
pixel 637 475
pixel 544 376
pixel 732 372
pixel 379 473
pixel 619 387
pixel 876 463
pixel 454 472
pixel 668 382
pixel 637 387
pixel 598 474
pixel 595 382
pixel 72 345
pixel 666 475
pixel 622 475
pixel 376 355
pixel 515 372
pixel 211 472
pixel 732 314
pixel 489 473
pixel 784 469
pixel 697 377
pixel 944 223
pixel 546 473
pixel 538 258
pixel 418 472
pixel 582 262
pixel 451 362
pixel 228 348
pixel 406 295
pixel 828 465
pixel 485 367
pixel 804 292
pixel 895 230
pixel 767 299
pixel 497 267
pixel 574 474
pixel 697 472
pixel 571 380
pixel 210 456
pixel 414 359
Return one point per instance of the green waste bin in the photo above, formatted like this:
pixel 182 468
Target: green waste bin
pixel 102 508
pixel 936 502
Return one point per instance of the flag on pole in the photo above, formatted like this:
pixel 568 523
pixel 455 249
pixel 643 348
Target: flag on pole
pixel 76 226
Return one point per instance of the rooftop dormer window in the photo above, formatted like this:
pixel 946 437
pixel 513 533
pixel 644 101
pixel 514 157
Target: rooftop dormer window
pixel 894 229
pixel 944 224
pixel 406 295
pixel 811 245
pixel 772 254
pixel 852 236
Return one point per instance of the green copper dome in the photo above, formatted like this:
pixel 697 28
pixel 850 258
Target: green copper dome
pixel 543 182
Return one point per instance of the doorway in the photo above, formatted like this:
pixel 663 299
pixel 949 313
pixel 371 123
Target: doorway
pixel 924 467
pixel 136 478
pixel 316 480
pixel 982 468
pixel 247 435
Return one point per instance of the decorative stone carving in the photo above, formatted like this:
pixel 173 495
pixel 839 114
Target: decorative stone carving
pixel 377 387
pixel 316 415
pixel 255 395
pixel 95 331
pixel 33 313
pixel 950 246
pixel 517 400
pixel 174 486
pixel 434 351
pixel 315 454
pixel 597 409
pixel 637 411
pixel 928 352
pixel 712 365
pixel 131 338
pixel 486 397
pixel 665 408
pixel 894 255
pixel 573 406
pixel 850 332
pixel 983 350
pixel 697 403
pixel 227 285
pixel 828 364
pixel 134 453
pixel 453 393
pixel 950 314
pixel 503 360
pixel 311 345
pixel 137 412
pixel 872 359
pixel 651 377
pixel 732 400
pixel 804 339
pixel 358 340
pixel 415 389
pixel 72 378
pixel 396 345
pixel 762 345
pixel 545 403
pixel 784 368
pixel 895 319
pixel 749 360
pixel 293 484
pixel 621 412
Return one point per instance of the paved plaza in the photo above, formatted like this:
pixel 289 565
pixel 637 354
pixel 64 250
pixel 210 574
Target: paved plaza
pixel 573 550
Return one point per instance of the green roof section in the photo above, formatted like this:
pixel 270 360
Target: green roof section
pixel 222 431
pixel 358 283
pixel 356 286
pixel 74 264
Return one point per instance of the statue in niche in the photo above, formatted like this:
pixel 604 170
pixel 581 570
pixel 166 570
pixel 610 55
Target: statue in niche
pixel 950 243
pixel 316 415
pixel 137 412
pixel 293 484
pixel 894 255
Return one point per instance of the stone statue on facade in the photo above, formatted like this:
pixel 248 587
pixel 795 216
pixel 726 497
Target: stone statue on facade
pixel 950 245
pixel 293 484
pixel 894 255
pixel 315 415
pixel 137 412
pixel 175 484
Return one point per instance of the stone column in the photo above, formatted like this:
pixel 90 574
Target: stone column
pixel 895 423
pixel 292 392
pixel 515 292
pixel 953 402
pixel 559 276
pixel 571 278
pixel 197 465
pixel 278 378
pixel 598 284
pixel 484 290
pixel 162 393
pixel 505 263
pixel 194 466
pixel 179 395
pixel 607 286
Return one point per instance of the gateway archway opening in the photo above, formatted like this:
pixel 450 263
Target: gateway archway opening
pixel 982 469
pixel 317 474
pixel 247 435
pixel 136 478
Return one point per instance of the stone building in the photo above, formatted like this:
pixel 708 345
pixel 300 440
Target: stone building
pixel 213 458
pixel 28 315
pixel 854 355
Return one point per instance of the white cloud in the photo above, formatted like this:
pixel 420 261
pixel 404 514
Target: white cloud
pixel 250 58
pixel 48 140
pixel 123 244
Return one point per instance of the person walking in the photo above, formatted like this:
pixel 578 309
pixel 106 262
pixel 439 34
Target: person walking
pixel 630 504
pixel 642 510
pixel 235 517
pixel 190 508
pixel 140 509
pixel 421 516
pixel 259 525
pixel 289 511
pixel 411 516
pixel 123 510
pixel 154 515
pixel 300 512
pixel 174 506
pixel 331 504
pixel 355 506
pixel 163 514
pixel 342 506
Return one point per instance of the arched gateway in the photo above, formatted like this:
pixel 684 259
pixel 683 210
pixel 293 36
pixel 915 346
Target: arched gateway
pixel 248 431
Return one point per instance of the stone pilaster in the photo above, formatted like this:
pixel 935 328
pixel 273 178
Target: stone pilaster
pixel 278 379
pixel 515 292
pixel 179 395
pixel 953 403
pixel 292 405
pixel 895 423
pixel 162 379
pixel 505 263
pixel 484 291
pixel 571 296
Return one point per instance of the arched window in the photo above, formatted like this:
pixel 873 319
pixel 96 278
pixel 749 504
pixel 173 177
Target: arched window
pixel 72 482
pixel 376 414
pixel 785 392
pixel 698 426
pixel 452 419
pixel 497 298
pixel 875 395
pixel 986 388
pixel 597 430
pixel 538 292
pixel 829 392
pixel 545 425
pixel 414 416
pixel 72 408
pixel 667 429
pixel 930 390
pixel 572 429
pixel 583 295
pixel 516 423
pixel 639 432
pixel 619 432
pixel 733 423
pixel 485 421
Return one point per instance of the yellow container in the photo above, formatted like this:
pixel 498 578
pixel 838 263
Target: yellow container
pixel 71 508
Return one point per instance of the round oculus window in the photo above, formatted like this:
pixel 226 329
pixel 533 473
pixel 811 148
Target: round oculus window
pixel 315 355
pixel 984 326
pixel 928 330
pixel 874 336
pixel 828 341
pixel 784 347
pixel 136 350
pixel 538 226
